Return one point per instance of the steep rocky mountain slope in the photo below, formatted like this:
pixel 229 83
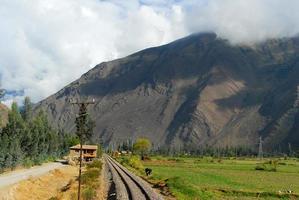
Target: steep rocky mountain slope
pixel 199 90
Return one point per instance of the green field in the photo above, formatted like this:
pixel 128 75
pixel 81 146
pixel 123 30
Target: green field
pixel 208 178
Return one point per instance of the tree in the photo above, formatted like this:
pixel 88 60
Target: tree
pixel 90 125
pixel 84 127
pixel 2 93
pixel 15 152
pixel 142 146
pixel 4 142
pixel 27 110
pixel 15 124
pixel 27 139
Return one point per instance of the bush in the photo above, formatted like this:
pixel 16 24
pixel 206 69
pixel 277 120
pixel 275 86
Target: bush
pixel 95 164
pixel 28 163
pixel 176 159
pixel 208 159
pixel 282 163
pixel 159 158
pixel 146 158
pixel 270 166
pixel 133 162
pixel 260 167
pixel 88 194
pixel 90 176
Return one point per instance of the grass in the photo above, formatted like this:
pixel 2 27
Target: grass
pixel 208 178
pixel 90 180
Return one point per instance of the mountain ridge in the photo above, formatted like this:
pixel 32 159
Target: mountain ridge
pixel 196 91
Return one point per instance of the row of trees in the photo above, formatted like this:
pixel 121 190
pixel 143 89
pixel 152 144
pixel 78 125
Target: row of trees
pixel 28 140
pixel 144 145
pixel 203 150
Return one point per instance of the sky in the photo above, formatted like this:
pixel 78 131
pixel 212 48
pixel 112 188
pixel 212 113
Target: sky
pixel 46 44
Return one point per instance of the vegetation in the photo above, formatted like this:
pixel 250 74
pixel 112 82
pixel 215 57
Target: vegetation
pixel 28 140
pixel 142 146
pixel 270 166
pixel 209 151
pixel 132 161
pixel 89 193
pixel 225 178
pixel 90 179
pixel 2 93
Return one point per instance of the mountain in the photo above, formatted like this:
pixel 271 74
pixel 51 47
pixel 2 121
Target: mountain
pixel 196 91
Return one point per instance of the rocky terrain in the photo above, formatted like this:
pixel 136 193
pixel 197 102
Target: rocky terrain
pixel 199 90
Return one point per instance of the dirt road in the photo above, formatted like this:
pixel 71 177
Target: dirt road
pixel 19 175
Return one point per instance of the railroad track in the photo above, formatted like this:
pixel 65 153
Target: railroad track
pixel 129 186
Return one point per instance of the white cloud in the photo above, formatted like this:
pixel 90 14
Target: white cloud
pixel 47 44
pixel 245 21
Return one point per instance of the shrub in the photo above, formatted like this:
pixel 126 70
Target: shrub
pixel 133 162
pixel 270 166
pixel 28 163
pixel 208 159
pixel 88 194
pixel 159 158
pixel 176 159
pixel 259 167
pixel 282 163
pixel 90 176
pixel 146 158
pixel 51 158
pixel 95 164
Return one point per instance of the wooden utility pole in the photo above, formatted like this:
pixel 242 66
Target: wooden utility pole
pixel 81 121
pixel 260 155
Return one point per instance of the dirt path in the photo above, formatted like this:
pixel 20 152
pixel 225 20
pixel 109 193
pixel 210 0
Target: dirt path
pixel 45 186
pixel 19 175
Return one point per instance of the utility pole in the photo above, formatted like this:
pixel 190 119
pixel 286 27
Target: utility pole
pixel 260 155
pixel 81 132
pixel 290 150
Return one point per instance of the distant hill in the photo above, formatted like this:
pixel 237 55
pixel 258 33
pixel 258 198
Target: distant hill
pixel 3 114
pixel 196 91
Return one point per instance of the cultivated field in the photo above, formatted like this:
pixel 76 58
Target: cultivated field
pixel 208 178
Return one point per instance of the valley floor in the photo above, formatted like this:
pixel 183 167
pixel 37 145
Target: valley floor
pixel 208 178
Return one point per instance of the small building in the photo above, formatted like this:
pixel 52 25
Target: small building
pixel 89 152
